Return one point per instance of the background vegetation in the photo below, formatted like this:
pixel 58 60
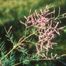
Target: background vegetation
pixel 12 11
pixel 16 9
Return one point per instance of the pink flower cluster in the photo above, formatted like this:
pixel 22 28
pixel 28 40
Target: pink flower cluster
pixel 37 20
pixel 47 29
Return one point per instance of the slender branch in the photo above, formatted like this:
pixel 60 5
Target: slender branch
pixel 60 56
pixel 17 64
pixel 46 59
pixel 18 44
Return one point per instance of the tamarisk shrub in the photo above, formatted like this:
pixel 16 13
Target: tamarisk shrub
pixel 47 27
pixel 44 25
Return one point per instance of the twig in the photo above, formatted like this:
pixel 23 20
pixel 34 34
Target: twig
pixel 18 44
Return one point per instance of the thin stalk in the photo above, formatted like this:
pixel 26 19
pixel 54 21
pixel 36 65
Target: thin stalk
pixel 18 44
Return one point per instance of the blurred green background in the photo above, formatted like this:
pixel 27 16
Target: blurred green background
pixel 16 9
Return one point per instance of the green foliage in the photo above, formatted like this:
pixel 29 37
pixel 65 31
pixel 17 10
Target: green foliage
pixel 16 9
pixel 12 52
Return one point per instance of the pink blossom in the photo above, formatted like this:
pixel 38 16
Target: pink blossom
pixel 47 29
